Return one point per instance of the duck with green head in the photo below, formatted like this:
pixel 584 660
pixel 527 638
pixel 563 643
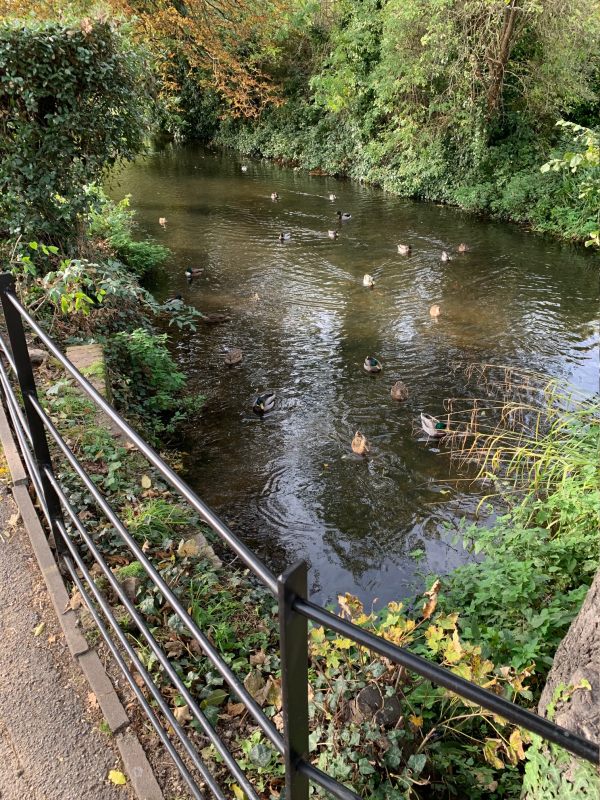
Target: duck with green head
pixel 264 403
pixel 372 365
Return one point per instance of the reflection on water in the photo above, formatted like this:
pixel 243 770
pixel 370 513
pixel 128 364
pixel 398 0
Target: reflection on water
pixel 288 483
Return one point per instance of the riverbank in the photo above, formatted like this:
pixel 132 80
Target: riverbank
pixel 510 184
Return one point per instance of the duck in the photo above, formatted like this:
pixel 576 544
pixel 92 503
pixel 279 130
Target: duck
pixel 463 248
pixel 445 256
pixel 433 426
pixel 343 215
pixel 284 236
pixel 193 272
pixel 233 356
pixel 332 196
pixel 404 249
pixel 359 444
pixel 264 403
pixel 434 311
pixel 399 391
pixel 368 281
pixel 244 168
pixel 274 196
pixel 332 234
pixel 162 221
pixel 372 365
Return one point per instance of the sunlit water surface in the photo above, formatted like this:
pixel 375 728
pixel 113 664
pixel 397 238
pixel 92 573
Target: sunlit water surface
pixel 288 483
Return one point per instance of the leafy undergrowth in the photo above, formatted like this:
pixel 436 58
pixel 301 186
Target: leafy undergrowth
pixel 381 730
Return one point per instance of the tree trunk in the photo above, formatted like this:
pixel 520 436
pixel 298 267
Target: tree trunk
pixel 551 773
pixel 499 60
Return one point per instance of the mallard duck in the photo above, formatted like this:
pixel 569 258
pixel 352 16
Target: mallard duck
pixel 433 426
pixel 162 221
pixel 445 256
pixel 368 281
pixel 399 391
pixel 264 403
pixel 332 196
pixel 283 237
pixel 233 357
pixel 274 196
pixel 193 272
pixel 244 168
pixel 344 215
pixel 434 311
pixel 214 319
pixel 332 234
pixel 372 364
pixel 404 249
pixel 359 444
pixel 463 248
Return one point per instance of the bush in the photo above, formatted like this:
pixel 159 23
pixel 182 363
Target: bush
pixel 148 383
pixel 70 107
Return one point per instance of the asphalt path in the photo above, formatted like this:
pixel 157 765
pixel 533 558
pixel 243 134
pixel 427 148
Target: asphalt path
pixel 51 743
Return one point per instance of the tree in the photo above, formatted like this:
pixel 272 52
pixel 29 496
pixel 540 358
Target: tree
pixel 70 107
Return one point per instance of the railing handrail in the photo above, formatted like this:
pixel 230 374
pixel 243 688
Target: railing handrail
pixel 294 608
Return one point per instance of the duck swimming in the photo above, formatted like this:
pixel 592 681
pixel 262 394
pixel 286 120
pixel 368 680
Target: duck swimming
pixel 193 272
pixel 283 237
pixel 445 256
pixel 372 364
pixel 359 444
pixel 274 196
pixel 332 234
pixel 344 215
pixel 233 357
pixel 368 281
pixel 399 391
pixel 332 196
pixel 433 426
pixel 264 403
pixel 404 249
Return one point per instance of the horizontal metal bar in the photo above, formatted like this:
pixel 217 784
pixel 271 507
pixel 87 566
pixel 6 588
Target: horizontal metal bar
pixel 444 677
pixel 8 390
pixel 9 356
pixel 211 653
pixel 239 548
pixel 154 646
pixel 328 783
pixel 21 429
pixel 182 769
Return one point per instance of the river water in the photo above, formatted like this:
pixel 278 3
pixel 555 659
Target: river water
pixel 288 483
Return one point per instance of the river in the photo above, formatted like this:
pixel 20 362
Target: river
pixel 288 483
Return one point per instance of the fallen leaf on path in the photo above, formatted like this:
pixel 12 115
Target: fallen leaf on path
pixel 146 482
pixel 116 776
pixel 39 629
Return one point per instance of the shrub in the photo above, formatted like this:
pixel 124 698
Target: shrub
pixel 70 107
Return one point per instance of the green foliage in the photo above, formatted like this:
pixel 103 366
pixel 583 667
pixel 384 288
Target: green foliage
pixel 114 223
pixel 157 520
pixel 148 382
pixel 541 557
pixel 69 109
pixel 421 98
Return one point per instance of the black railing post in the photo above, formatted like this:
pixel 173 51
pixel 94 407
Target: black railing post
pixel 41 453
pixel 293 631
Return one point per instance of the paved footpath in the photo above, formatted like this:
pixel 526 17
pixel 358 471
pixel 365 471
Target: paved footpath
pixel 51 745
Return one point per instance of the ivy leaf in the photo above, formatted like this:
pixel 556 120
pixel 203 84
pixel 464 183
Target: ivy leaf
pixel 260 755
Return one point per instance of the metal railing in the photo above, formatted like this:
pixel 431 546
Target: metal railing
pixel 32 426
